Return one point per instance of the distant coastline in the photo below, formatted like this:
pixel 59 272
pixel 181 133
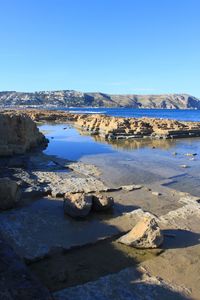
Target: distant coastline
pixel 76 99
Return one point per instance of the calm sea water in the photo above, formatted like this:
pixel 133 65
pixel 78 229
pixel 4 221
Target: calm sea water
pixel 176 114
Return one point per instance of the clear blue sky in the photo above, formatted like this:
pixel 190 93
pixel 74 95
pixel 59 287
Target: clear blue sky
pixel 113 46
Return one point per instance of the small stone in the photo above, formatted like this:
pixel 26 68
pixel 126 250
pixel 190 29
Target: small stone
pixel 146 234
pixel 175 153
pixel 9 193
pixel 102 202
pixel 191 154
pixel 77 204
pixel 156 194
pixel 147 189
pixel 184 166
pixel 131 187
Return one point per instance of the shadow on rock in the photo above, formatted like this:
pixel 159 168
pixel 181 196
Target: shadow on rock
pixel 179 238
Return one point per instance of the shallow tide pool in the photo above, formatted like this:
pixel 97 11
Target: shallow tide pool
pixel 130 161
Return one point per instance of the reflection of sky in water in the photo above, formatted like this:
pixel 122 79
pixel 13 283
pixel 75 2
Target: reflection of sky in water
pixel 138 156
pixel 69 144
pixel 72 144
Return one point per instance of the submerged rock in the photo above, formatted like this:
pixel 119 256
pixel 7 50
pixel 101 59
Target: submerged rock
pixel 101 202
pixel 145 234
pixel 77 204
pixel 9 193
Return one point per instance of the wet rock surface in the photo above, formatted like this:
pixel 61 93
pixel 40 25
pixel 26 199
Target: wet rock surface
pixel 16 281
pixel 127 284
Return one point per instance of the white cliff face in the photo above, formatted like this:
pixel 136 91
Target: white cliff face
pixel 18 134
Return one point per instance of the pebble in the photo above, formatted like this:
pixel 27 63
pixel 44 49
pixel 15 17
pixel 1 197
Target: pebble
pixel 156 194
pixel 184 166
pixel 191 154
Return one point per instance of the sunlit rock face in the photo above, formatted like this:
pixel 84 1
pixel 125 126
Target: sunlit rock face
pixel 18 134
pixel 119 128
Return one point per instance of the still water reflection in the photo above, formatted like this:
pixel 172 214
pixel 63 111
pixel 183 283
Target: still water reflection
pixel 141 160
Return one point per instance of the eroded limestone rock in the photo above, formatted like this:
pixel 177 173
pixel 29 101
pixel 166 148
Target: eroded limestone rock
pixel 18 134
pixel 131 187
pixel 102 202
pixel 145 234
pixel 9 193
pixel 77 205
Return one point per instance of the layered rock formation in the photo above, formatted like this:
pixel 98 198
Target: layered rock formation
pixel 18 133
pixel 70 98
pixel 115 128
pixel 119 128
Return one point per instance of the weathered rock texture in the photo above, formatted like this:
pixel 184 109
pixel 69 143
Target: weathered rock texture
pixel 9 193
pixel 128 284
pixel 102 202
pixel 16 281
pixel 78 204
pixel 145 234
pixel 18 133
pixel 114 128
pixel 119 128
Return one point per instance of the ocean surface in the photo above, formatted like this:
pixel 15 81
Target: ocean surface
pixel 176 114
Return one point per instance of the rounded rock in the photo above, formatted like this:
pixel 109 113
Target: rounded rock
pixel 77 204
pixel 102 202
pixel 146 234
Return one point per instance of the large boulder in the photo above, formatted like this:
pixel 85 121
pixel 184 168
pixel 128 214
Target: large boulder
pixel 145 235
pixel 101 202
pixel 77 205
pixel 18 134
pixel 9 193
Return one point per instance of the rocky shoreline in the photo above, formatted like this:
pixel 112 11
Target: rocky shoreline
pixel 115 128
pixel 74 258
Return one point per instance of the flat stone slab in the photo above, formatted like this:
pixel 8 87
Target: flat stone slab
pixel 41 227
pixel 16 281
pixel 127 284
pixel 183 218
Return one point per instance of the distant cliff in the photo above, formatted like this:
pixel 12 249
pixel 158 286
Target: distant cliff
pixel 70 98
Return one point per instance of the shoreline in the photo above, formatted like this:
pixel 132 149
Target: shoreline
pixel 114 128
pixel 46 239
